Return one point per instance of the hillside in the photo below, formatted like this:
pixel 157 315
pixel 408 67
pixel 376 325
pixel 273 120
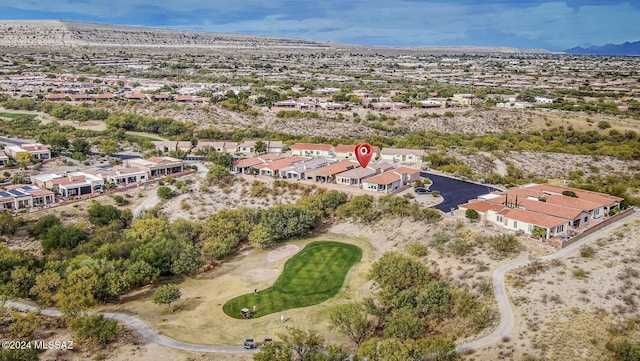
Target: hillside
pixel 77 34
pixel 70 34
pixel 608 49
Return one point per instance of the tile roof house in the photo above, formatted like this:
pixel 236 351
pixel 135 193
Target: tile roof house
pixel 157 166
pixel 300 170
pixel 386 182
pixel 402 155
pixel 328 173
pixel 542 205
pixel 312 150
pixel 274 167
pixel 354 176
pixel 349 151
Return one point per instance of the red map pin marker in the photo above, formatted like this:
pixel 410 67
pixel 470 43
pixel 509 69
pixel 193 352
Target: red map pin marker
pixel 363 154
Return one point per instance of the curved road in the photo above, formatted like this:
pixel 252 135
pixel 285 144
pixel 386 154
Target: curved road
pixel 505 326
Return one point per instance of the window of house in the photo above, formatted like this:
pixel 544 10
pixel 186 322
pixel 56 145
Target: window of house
pixel 515 224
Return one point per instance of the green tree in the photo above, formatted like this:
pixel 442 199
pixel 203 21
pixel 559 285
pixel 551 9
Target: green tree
pixel 261 147
pixel 78 292
pixel 164 192
pixel 8 224
pixel 43 225
pixel 46 286
pixel 286 221
pixel 108 146
pixel 274 351
pixel 472 214
pixel 352 320
pixel 404 325
pixel 188 260
pixel 23 158
pixel 63 237
pixel 57 140
pixel 81 145
pixel 101 215
pixel 95 329
pixel 539 232
pixel 399 271
pixel 166 295
pixel 260 236
pixel 304 344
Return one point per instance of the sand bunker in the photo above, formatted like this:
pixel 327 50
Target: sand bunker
pixel 282 252
pixel 261 274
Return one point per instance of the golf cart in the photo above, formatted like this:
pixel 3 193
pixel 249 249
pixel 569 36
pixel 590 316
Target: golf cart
pixel 249 344
pixel 245 313
pixel 266 341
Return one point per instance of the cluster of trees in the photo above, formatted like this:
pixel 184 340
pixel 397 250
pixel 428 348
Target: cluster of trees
pixel 78 113
pixel 415 314
pixel 296 114
pixel 366 208
pixel 163 126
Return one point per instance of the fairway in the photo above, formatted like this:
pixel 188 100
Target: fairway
pixel 310 277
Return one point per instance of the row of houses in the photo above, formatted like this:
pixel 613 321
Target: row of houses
pixel 92 180
pixel 558 210
pixel 380 176
pixel 248 148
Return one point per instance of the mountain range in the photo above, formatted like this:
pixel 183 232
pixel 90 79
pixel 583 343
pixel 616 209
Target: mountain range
pixel 609 49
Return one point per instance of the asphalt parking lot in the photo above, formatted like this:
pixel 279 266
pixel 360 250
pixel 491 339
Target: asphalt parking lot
pixel 454 191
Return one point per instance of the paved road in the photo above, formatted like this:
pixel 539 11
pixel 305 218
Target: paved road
pixel 151 201
pixel 507 320
pixel 454 191
pixel 142 328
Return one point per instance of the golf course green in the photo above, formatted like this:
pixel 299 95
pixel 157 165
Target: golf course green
pixel 310 277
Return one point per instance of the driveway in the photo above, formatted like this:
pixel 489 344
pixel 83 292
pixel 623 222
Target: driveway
pixel 454 191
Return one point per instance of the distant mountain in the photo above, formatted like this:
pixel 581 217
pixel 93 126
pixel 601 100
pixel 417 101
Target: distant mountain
pixel 609 49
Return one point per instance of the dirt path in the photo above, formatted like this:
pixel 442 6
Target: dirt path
pixel 507 320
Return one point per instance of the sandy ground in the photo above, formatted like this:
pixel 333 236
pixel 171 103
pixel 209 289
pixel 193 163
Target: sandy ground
pixel 563 317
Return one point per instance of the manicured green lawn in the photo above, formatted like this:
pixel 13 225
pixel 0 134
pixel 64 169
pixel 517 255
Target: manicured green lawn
pixel 312 276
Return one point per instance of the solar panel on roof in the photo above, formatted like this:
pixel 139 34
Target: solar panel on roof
pixel 5 194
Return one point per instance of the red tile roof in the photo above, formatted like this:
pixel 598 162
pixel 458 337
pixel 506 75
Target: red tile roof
pixel 537 219
pixel 385 178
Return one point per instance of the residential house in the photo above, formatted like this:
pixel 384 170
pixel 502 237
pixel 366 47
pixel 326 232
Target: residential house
pixel 135 96
pixel 120 175
pixel 105 96
pixel 247 147
pixel 349 151
pixel 524 221
pixel 244 166
pixel 39 151
pixel 402 155
pixel 275 147
pixel 165 146
pixel 327 174
pixel 160 97
pixel 81 97
pixel 409 175
pixel 312 150
pixel 386 182
pixel 19 196
pixel 157 166
pixel 380 166
pixel 354 176
pixel 69 184
pixel 273 168
pixel 299 170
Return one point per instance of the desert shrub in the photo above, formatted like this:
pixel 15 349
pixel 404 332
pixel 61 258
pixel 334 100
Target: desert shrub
pixel 164 192
pixel 580 273
pixel 472 214
pixel 96 329
pixel 502 245
pixel 120 200
pixel 587 251
pixel 460 247
pixel 418 249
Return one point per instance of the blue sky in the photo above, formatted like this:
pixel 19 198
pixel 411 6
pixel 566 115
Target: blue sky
pixel 551 25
